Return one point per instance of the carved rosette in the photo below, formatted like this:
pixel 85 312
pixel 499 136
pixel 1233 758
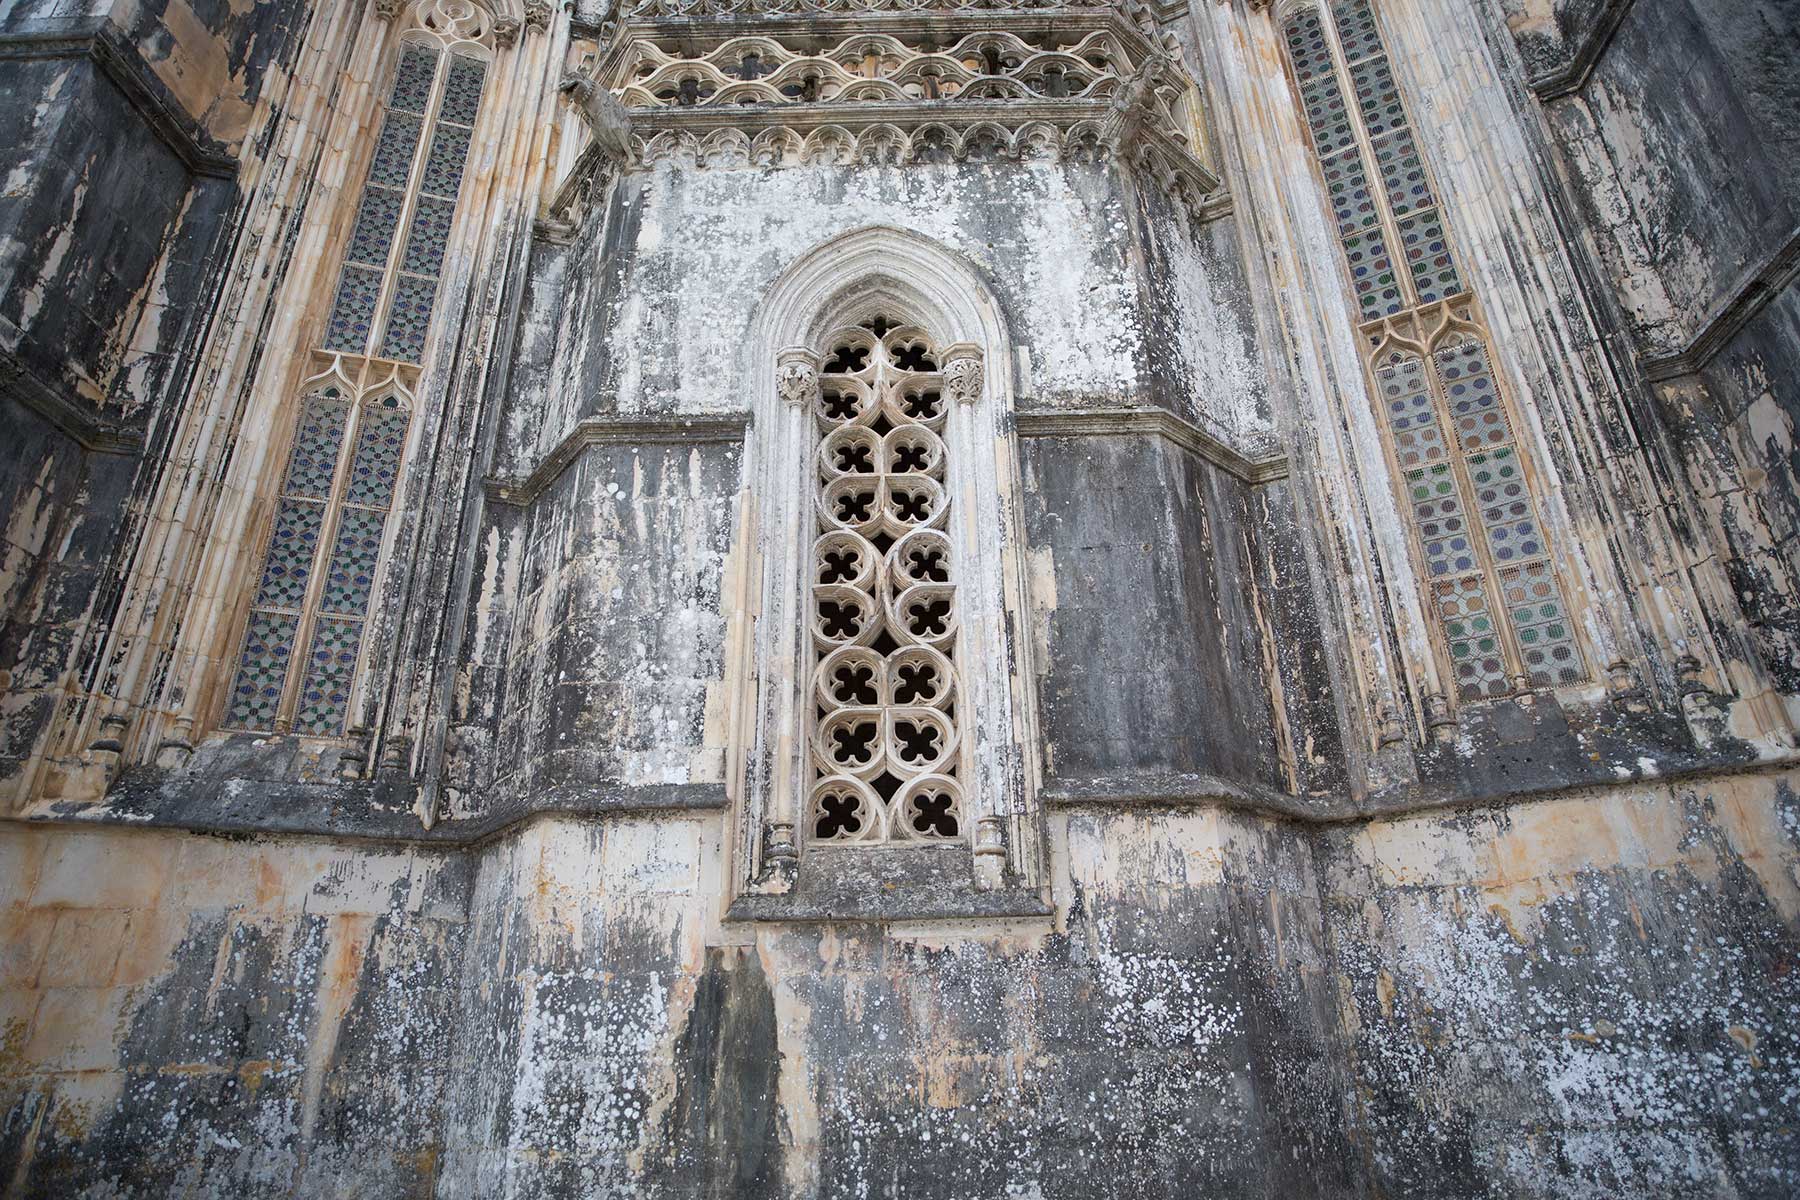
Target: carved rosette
pixel 797 377
pixel 962 373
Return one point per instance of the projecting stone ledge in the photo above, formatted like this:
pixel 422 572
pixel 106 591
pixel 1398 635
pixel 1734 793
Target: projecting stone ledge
pixel 920 882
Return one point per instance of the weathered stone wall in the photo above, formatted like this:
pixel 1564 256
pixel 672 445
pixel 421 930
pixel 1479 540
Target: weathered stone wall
pixel 1591 995
pixel 1243 987
pixel 119 193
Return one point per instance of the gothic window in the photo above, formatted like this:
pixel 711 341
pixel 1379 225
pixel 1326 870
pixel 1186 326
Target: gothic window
pixel 389 281
pixel 886 745
pixel 319 570
pixel 305 631
pixel 1463 476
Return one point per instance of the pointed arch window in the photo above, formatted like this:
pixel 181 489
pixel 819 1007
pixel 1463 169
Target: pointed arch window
pixel 319 571
pixel 305 632
pixel 1465 482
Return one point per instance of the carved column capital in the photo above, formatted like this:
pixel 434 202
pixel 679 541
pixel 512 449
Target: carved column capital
pixel 537 15
pixel 797 377
pixel 506 32
pixel 963 372
pixel 387 10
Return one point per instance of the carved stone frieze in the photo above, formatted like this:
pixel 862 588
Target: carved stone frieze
pixel 648 9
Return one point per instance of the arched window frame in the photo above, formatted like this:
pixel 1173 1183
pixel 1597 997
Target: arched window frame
pixel 854 278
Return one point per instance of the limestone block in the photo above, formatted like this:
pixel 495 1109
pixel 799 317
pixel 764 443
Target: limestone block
pixel 23 936
pixel 77 1029
pixel 21 855
pixel 84 948
pixel 104 870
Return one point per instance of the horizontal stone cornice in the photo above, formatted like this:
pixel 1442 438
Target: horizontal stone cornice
pixel 615 431
pixel 1573 75
pixel 75 420
pixel 1755 292
pixel 121 62
pixel 1151 422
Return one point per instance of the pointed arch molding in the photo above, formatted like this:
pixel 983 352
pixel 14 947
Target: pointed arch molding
pixel 996 866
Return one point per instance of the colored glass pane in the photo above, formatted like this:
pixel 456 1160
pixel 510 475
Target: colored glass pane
pixel 1402 171
pixel 1475 655
pixel 376 219
pixel 409 317
pixel 330 669
pixel 394 149
pixel 317 438
pixel 1377 96
pixel 292 547
pixel 353 313
pixel 376 466
pixel 1307 45
pixel 1356 29
pixel 355 553
pixel 462 91
pixel 1541 625
pixel 412 79
pixel 1437 511
pixel 444 163
pixel 1347 185
pixel 1475 410
pixel 1372 274
pixel 1428 256
pixel 1326 116
pixel 429 234
pixel 262 671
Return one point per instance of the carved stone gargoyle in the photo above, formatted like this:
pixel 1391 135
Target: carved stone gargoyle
pixel 602 113
pixel 1134 104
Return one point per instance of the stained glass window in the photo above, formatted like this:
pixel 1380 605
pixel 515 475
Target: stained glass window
pixel 388 286
pixel 343 469
pixel 1465 490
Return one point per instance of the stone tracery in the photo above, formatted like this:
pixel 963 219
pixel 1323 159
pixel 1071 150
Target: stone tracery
pixel 883 617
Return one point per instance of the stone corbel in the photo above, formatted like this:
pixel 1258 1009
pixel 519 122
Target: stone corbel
pixel 797 377
pixel 962 372
pixel 602 113
pixel 1132 103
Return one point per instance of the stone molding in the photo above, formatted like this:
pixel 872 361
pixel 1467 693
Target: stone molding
pixel 519 491
pixel 122 63
pixel 1758 289
pixel 83 426
pixel 1151 422
pixel 1572 76
pixel 844 281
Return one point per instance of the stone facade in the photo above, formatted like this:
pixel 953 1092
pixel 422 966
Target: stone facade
pixel 780 598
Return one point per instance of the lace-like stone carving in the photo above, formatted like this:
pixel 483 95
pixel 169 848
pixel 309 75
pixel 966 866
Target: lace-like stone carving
pixel 886 744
